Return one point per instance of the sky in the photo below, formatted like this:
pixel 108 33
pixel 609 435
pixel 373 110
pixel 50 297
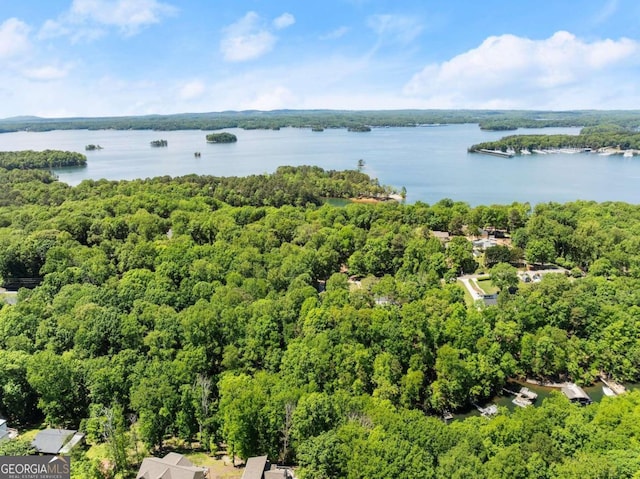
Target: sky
pixel 62 58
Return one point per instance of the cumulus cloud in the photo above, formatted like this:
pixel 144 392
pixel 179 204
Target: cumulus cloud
pixel 508 71
pixel 283 21
pixel 86 18
pixel 14 38
pixel 250 37
pixel 400 28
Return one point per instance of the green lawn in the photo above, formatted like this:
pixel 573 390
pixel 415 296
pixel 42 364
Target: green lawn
pixel 487 286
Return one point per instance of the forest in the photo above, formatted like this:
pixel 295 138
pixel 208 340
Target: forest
pixel 594 137
pixel 487 119
pixel 246 313
pixel 28 159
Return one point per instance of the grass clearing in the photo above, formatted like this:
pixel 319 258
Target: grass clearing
pixel 487 286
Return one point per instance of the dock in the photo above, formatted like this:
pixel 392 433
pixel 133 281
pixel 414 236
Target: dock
pixel 487 411
pixel 576 394
pixel 614 387
pixel 502 154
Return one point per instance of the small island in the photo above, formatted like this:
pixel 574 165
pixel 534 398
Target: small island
pixel 29 159
pixel 92 147
pixel 223 137
pixel 359 128
pixel 159 143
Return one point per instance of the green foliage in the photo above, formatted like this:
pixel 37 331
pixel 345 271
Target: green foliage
pixel 325 337
pixel 40 159
pixel 223 137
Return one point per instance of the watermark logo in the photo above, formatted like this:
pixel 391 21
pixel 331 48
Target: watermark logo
pixel 35 467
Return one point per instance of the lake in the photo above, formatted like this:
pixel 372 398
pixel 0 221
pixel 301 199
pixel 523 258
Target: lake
pixel 431 162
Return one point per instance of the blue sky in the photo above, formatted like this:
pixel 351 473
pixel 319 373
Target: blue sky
pixel 133 57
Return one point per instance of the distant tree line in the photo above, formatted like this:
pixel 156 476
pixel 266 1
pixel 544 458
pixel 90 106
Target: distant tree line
pixel 487 119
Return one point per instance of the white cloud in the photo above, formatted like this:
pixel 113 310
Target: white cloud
pixel 14 38
pixel 85 18
pixel 250 37
pixel 283 21
pixel 192 90
pixel 608 10
pixel 513 72
pixel 335 34
pixel 273 99
pixel 400 28
pixel 46 73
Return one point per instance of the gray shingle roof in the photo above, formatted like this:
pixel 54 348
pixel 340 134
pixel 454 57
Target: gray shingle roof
pixel 50 441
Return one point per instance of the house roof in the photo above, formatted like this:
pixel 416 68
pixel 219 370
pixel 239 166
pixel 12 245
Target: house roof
pixel 171 466
pixel 255 467
pixel 50 441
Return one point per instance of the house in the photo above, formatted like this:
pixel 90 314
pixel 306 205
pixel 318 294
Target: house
pixel 441 235
pixel 260 468
pixel 171 466
pixel 56 441
pixel 576 394
pixel 483 244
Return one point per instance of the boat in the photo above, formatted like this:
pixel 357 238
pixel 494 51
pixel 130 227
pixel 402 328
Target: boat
pixel 628 153
pixel 607 391
pixel 539 152
pixel 522 401
pixel 524 151
pixel 528 393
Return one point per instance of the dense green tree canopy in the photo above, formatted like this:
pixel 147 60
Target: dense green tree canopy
pixel 328 337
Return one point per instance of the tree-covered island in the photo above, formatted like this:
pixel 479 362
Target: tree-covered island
pixel 602 137
pixel 224 137
pixel 28 159
pixel 205 312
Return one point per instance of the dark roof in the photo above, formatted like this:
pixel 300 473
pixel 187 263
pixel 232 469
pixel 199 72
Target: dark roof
pixel 50 441
pixel 171 466
pixel 255 467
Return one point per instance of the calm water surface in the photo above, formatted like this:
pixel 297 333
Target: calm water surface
pixel 431 162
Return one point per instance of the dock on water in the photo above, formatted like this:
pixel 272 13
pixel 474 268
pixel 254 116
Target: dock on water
pixel 576 394
pixel 614 387
pixel 503 154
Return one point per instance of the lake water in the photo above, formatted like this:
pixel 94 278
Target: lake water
pixel 431 162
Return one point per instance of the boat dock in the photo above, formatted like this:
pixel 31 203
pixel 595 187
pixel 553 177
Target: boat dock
pixel 524 398
pixel 576 394
pixel 502 154
pixel 614 387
